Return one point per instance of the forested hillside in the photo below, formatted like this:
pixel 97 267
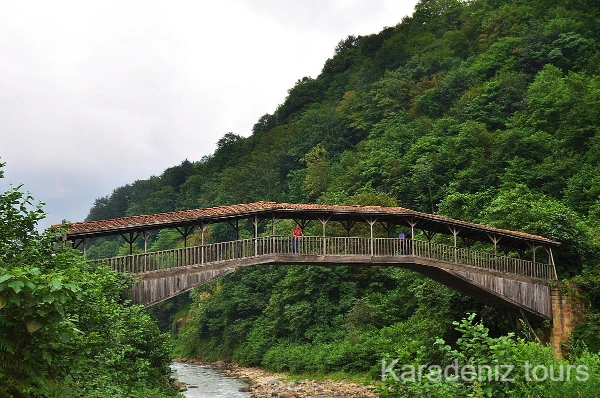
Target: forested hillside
pixel 486 111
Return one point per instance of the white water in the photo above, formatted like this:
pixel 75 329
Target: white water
pixel 208 382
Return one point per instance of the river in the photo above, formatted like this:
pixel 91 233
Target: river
pixel 208 382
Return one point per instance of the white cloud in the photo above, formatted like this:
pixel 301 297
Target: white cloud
pixel 94 95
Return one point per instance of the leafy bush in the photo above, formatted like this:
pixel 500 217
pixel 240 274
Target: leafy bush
pixel 64 328
pixel 484 366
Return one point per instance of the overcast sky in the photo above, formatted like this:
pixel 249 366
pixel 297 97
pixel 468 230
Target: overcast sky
pixel 98 94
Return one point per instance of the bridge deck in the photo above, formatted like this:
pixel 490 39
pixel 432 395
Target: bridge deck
pixel 339 250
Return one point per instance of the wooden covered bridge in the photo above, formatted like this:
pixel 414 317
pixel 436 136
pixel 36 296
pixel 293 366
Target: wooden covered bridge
pixel 505 269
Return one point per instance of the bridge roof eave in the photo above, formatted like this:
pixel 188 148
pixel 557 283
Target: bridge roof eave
pixel 430 222
pixel 266 210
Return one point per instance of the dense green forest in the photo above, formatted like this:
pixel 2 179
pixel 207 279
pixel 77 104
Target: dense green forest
pixel 486 111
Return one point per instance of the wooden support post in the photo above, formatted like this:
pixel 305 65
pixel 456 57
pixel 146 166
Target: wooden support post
pixel 495 240
pixel 202 248
pixel 455 233
pixel 469 243
pixel 534 270
pixel 273 230
pixel 83 243
pixel 371 221
pixel 429 235
pixel 236 227
pixel 145 235
pixel 255 223
pixel 347 226
pixel 388 226
pixel 324 221
pixel 533 248
pixel 131 239
pixel 185 232
pixel 506 249
pixel 411 249
pixel 551 258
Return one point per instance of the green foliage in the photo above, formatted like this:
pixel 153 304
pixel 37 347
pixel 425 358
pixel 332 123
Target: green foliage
pixel 544 216
pixel 64 329
pixel 483 366
pixel 317 172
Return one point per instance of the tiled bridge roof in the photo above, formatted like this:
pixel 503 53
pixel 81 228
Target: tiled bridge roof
pixel 268 210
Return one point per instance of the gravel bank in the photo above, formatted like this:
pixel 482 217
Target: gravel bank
pixel 265 384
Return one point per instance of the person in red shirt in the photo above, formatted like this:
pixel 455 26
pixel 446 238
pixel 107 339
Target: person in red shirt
pixel 296 234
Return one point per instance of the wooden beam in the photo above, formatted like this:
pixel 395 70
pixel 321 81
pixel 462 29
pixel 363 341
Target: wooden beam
pixel 429 235
pixel 145 235
pixel 468 242
pixel 551 258
pixel 236 227
pixel 131 239
pixel 371 221
pixel 302 223
pixel 185 232
pixel 273 230
pixel 203 227
pixel 388 226
pixel 324 221
pixel 348 224
pixel 533 248
pixel 255 224
pixel 495 240
pixel 454 231
pixel 505 249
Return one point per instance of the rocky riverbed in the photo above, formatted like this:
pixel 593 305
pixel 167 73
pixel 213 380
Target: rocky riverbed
pixel 277 385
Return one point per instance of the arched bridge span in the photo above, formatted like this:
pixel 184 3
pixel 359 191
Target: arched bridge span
pixel 502 276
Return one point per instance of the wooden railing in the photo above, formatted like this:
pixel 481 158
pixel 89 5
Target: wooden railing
pixel 325 246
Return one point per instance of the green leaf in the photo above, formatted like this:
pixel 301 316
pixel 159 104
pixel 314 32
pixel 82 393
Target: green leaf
pixel 59 308
pixel 3 301
pixel 5 277
pixel 16 285
pixel 72 287
pixel 48 298
pixel 65 337
pixel 55 284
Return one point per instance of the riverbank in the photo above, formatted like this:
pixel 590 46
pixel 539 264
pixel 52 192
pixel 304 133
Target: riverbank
pixel 264 384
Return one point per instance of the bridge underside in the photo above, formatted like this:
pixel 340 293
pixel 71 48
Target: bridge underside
pixel 512 293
